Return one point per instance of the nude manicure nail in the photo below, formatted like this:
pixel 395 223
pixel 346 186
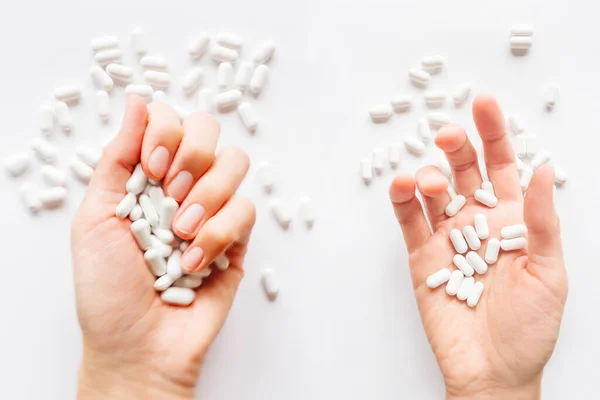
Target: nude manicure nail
pixel 158 161
pixel 181 185
pixel 190 219
pixel 192 259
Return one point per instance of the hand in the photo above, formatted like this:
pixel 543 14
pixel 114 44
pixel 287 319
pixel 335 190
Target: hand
pixel 135 346
pixel 499 348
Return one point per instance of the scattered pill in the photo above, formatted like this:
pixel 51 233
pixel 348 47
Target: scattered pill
pixel 475 261
pixel 120 73
pixel 437 120
pixel 63 116
pixel 521 30
pixel 515 125
pixel 513 231
pixel 433 64
pixel 264 53
pixel 109 56
pixel 394 155
pixel 144 91
pixel 44 150
pixel 101 79
pixel 156 262
pixel 164 235
pixel 198 46
pixel 401 103
pixel 138 41
pixel 455 205
pixel 435 98
pixel 471 237
pixel 488 187
pixel 30 194
pixel 475 294
pixel 248 116
pixel 424 130
pixel 378 160
pixel 266 176
pixel 540 159
pixel 281 213
pixel 81 170
pixel 103 105
pixel 222 54
pixel 140 230
pixel 526 175
pixel 205 101
pixel 458 241
pixel 438 278
pixel 270 283
pixel 486 198
pixel 68 94
pixel 222 262
pixel 451 191
pixel 136 213
pixel 192 80
pixel 157 196
pixel 46 120
pixel 414 145
pixel 419 78
pixel 228 100
pixel 551 95
pixel 168 210
pixel 137 181
pixel 178 296
pixel 165 250
pixel 380 113
pixel 462 94
pixel 53 197
pixel 465 288
pixel 513 244
pixel 259 79
pixel 461 263
pixel 174 265
pixel 444 166
pixel 104 43
pixel 126 205
pixel 17 164
pixel 157 79
pixel 560 176
pixel 189 281
pixel 163 283
pixel 481 226
pixel 492 251
pixel 54 176
pixel 155 63
pixel 454 283
pixel 229 40
pixel 243 75
pixel 520 44
pixel 224 75
pixel 149 211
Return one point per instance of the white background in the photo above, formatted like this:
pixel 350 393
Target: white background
pixel 345 324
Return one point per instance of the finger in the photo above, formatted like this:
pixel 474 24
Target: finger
pixel 461 155
pixel 234 221
pixel 497 148
pixel 163 135
pixel 433 186
pixel 194 155
pixel 409 212
pixel 211 191
pixel 541 219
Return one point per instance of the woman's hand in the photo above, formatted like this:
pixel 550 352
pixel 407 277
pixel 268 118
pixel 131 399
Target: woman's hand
pixel 499 348
pixel 135 346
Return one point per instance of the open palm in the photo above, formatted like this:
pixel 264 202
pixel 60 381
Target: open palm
pixel 503 343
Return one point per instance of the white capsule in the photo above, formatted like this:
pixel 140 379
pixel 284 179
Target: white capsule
pixel 394 155
pixel 264 53
pixel 144 91
pixel 121 73
pixel 68 94
pixel 259 79
pixel 270 283
pixel 458 241
pixel 435 98
pixel 551 95
pixel 521 30
pixel 451 191
pixel 475 261
pixel 462 94
pixel 378 160
pixel 101 79
pixel 53 197
pixel 165 250
pixel 126 205
pixel 401 103
pixel 471 237
pixel 492 251
pixel 168 209
pixel 461 263
pixel 248 116
pixel 424 130
pixel 54 176
pixel 514 231
pixel 136 213
pixel 456 280
pixel 414 145
pixel 104 43
pixel 198 45
pixel 81 170
pixel 366 171
pixel 438 278
pixel 149 211
pixel 189 281
pixel 380 113
pixel 419 78
pixel 438 120
pixel 174 265
pixel 488 187
pixel 63 116
pixel 157 79
pixel 433 64
pixel 137 181
pixel 475 294
pixel 30 194
pixel 222 54
pixel 244 75
pixel 17 164
pixel 138 41
pixel 221 262
pixel 205 101
pixel 520 145
pixel 228 100
pixel 89 155
pixel 224 75
pixel 178 296
pixel 163 283
pixel 282 214
pixel 184 246
pixel 455 205
pixel 515 125
pixel 44 150
pixel 140 230
pixel 486 198
pixel 192 80
pixel 103 105
pixel 481 226
pixel 444 166
pixel 560 176
pixel 465 288
pixel 306 211
pixel 164 235
pixel 266 176
pixel 526 175
pixel 109 56
pixel 229 40
pixel 46 120
pixel 520 44
pixel 513 244
pixel 155 262
pixel 155 63
pixel 540 159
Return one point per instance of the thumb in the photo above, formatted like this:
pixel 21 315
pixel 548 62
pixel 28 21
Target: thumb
pixel 540 217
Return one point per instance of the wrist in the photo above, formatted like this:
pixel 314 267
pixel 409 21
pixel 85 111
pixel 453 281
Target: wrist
pixel 527 391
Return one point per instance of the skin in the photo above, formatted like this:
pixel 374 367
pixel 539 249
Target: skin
pixel 498 349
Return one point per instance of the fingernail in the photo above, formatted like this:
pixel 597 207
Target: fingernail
pixel 192 259
pixel 180 185
pixel 157 163
pixel 190 219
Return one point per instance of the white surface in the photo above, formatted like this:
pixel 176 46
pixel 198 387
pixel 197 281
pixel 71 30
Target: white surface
pixel 345 325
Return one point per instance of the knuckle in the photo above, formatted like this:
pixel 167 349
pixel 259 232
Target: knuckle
pixel 220 236
pixel 202 155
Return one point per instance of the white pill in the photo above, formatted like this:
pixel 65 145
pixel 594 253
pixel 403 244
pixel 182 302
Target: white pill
pixel 248 116
pixel 520 43
pixel 189 281
pixel 520 145
pixel 104 43
pixel 259 79
pixel 458 241
pixel 182 113
pixel 155 63
pixel 81 170
pixel 103 105
pixel 478 263
pixel 126 205
pixel 136 213
pixel 378 160
pixel 54 176
pixel 198 45
pixel 224 75
pixel 456 280
pixel 63 116
pixel 178 296
pixel 424 130
pixel 149 211
pixel 221 262
pixel 121 73
pixel 465 288
pixel 492 251
pixel 163 283
pixel 222 54
pixel 444 166
pixel 513 231
pixel 471 237
pixel 265 175
pixel 47 120
pixel 475 294
pixel 174 265
pixel 17 164
pixel 192 80
pixel 164 235
pixel 526 175
pixel 229 40
pixel 515 125
pixel 244 75
pixel 306 211
pixel 68 94
pixel 101 79
pixel 157 79
pixel 228 100
pixel 144 91
pixel 560 176
pixel 44 150
pixel 433 64
pixel 401 103
pixel 462 94
pixel 435 98
pixel 380 113
pixel 264 53
pixel 437 120
pixel 137 181
pixel 168 209
pixel 419 78
pixel 481 226
pixel 513 244
pixel 155 262
pixel 461 263
pixel 109 56
pixel 488 187
pixel 270 283
pixel 455 205
pixel 540 159
pixel 205 273
pixel 451 191
pixel 138 41
pixel 486 198
pixel 184 246
pixel 414 146
pixel 282 214
pixel 521 30
pixel 30 194
pixel 53 197
pixel 551 95
pixel 165 250
pixel 205 101
pixel 394 155
pixel 140 230
pixel 366 171
pixel 438 278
